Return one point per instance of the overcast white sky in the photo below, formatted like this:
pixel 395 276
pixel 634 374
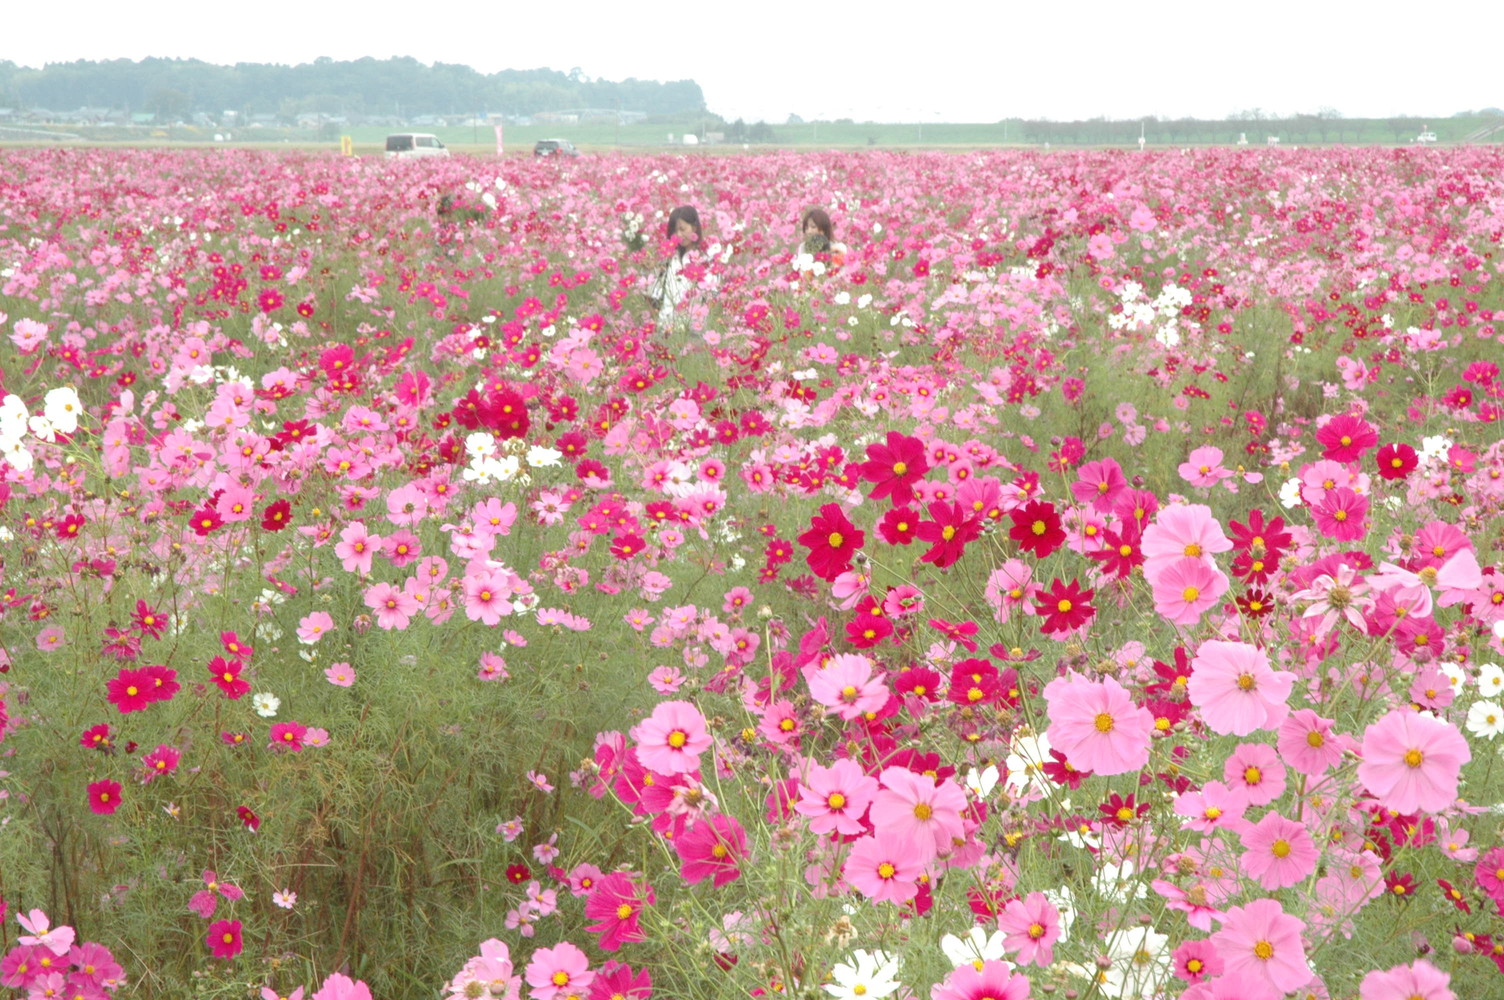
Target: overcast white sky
pixel 894 60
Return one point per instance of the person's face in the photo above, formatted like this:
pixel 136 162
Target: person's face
pixel 811 228
pixel 684 233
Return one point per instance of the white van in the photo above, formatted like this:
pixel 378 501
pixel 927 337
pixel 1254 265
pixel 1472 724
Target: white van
pixel 415 144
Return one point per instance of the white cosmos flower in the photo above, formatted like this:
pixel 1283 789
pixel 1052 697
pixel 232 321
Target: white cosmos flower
pixel 1140 963
pixel 1027 755
pixel 1491 680
pixel 982 782
pixel 875 974
pixel 1435 447
pixel 15 453
pixel 540 457
pixel 974 947
pixel 13 417
pixel 1117 882
pixel 480 445
pixel 41 427
pixel 1485 719
pixel 265 704
pixel 1289 494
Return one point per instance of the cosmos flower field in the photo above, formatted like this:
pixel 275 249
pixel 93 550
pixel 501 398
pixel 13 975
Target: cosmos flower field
pixel 1090 585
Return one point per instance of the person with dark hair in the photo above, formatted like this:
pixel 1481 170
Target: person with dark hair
pixel 670 285
pixel 817 242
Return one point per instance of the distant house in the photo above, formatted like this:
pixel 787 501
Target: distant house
pixel 143 118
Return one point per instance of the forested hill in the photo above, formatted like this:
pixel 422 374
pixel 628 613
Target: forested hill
pixel 399 86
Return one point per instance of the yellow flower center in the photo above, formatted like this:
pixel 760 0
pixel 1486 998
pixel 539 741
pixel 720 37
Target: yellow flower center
pixel 1193 550
pixel 922 811
pixel 1264 950
pixel 1414 757
pixel 1104 722
pixel 886 870
pixel 836 800
pixel 1281 849
pixel 835 539
pixel 677 739
pixel 1190 594
pixel 899 468
pixel 1039 527
pixel 623 911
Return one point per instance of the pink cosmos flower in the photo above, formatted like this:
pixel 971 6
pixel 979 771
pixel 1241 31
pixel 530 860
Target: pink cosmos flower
pixel 1255 771
pixel 836 798
pixel 923 812
pixel 492 667
pixel 1182 531
pixel 884 868
pixel 713 848
pixel 1097 725
pixel 357 548
pixel 993 981
pixel 487 597
pixel 1236 690
pixel 1420 980
pixel 1307 743
pixel 1262 950
pixel 1212 807
pixel 560 971
pixel 43 935
pixel 1203 467
pixel 1184 588
pixel 341 987
pixel 314 627
pixel 394 607
pixel 1099 484
pixel 161 761
pixel 1343 595
pixel 671 740
pixel 340 674
pixel 1412 760
pixel 846 685
pixel 1031 926
pixel 1278 852
pixel 223 938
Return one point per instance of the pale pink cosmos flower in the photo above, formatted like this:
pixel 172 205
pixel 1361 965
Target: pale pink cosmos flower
pixel 394 607
pixel 560 971
pixel 1236 690
pixel 1420 980
pixel 1010 590
pixel 1203 467
pixel 539 781
pixel 1342 596
pixel 846 685
pixel 1185 588
pixel 1412 761
pixel 666 679
pixel 1182 531
pixel 1278 852
pixel 924 812
pixel 1262 950
pixel 55 939
pixel 487 597
pixel 492 667
pixel 1097 725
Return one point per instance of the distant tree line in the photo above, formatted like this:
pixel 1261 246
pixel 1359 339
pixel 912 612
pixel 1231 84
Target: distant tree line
pixel 402 87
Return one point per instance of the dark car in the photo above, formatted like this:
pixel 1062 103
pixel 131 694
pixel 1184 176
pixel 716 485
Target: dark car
pixel 555 147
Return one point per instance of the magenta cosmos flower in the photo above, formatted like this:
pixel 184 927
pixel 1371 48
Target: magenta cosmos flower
pixel 223 938
pixel 562 970
pixel 616 906
pixel 713 848
pixel 1097 725
pixel 993 981
pixel 1262 951
pixel 671 740
pixel 920 810
pixel 894 467
pixel 1236 690
pixel 1411 761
